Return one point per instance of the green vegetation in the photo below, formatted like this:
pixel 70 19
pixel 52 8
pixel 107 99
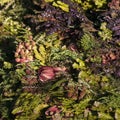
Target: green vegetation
pixel 59 60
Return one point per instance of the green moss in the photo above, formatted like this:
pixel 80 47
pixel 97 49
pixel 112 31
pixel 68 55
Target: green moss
pixel 88 4
pixel 100 3
pixel 105 33
pixel 87 42
pixel 29 106
pixel 84 90
pixel 61 5
pixel 79 64
pixel 3 2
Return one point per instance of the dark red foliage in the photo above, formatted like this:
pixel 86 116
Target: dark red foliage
pixel 112 17
pixel 114 4
pixel 46 73
pixel 51 20
pixel 52 110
